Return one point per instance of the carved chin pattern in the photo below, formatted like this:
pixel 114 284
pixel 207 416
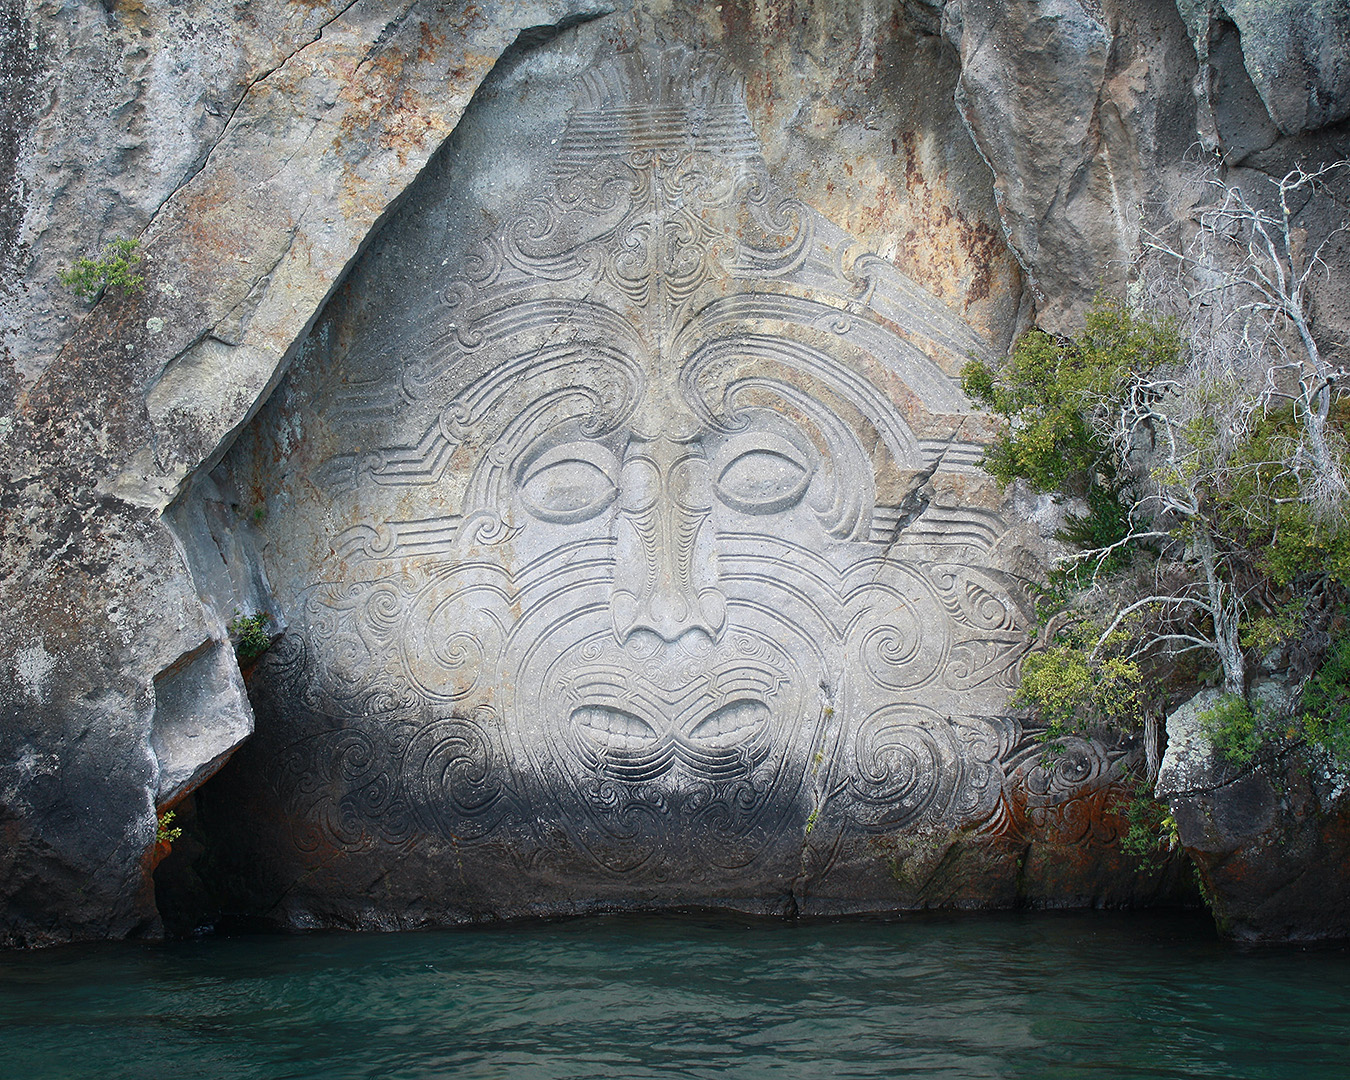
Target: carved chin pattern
pixel 650 719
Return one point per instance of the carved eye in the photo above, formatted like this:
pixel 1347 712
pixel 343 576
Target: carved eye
pixel 569 483
pixel 763 474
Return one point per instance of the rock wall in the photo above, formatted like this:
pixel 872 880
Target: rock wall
pixel 995 160
pixel 1269 839
pixel 252 155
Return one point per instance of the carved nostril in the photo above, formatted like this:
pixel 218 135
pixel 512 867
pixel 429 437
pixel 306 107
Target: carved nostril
pixel 624 610
pixel 713 606
pixel 668 615
pixel 669 610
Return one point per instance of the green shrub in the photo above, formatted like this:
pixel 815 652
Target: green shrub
pixel 249 634
pixel 1263 503
pixel 1234 729
pixel 1050 390
pixel 1151 828
pixel 1057 686
pixel 113 268
pixel 1325 708
pixel 1068 693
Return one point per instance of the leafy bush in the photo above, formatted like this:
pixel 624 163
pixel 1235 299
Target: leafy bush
pixel 1238 731
pixel 1151 828
pixel 1325 707
pixel 1069 692
pixel 1234 728
pixel 1050 390
pixel 1056 685
pixel 114 268
pixel 1263 503
pixel 249 634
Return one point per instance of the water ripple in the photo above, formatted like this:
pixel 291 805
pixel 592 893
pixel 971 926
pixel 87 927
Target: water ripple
pixel 1013 998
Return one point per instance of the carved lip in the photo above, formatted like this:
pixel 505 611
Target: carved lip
pixel 719 744
pixel 678 690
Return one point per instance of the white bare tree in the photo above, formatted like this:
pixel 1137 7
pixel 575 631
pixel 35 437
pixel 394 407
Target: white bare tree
pixel 1240 290
pixel 1246 280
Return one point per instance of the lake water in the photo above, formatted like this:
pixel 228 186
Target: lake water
pixel 1061 995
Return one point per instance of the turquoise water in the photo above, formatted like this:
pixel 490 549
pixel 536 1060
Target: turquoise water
pixel 1080 995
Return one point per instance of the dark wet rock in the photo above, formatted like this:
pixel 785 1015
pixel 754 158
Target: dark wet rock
pixel 1271 840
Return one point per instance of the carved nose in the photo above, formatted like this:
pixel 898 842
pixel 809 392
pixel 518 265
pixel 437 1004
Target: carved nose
pixel 669 612
pixel 665 575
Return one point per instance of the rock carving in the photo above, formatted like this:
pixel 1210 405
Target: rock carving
pixel 641 545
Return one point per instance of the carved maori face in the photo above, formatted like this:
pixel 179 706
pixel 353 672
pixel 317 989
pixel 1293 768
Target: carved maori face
pixel 678 640
pixel 633 551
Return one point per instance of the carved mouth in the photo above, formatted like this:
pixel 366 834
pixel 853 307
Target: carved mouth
pixel 724 743
pixel 730 726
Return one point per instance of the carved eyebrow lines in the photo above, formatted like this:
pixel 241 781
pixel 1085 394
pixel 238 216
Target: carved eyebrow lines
pixel 587 320
pixel 424 462
pixel 856 327
pixel 853 388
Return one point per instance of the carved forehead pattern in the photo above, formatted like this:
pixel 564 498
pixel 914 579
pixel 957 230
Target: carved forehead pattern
pixel 635 538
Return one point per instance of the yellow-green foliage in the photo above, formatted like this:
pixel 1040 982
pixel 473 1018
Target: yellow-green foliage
pixel 1068 692
pixel 1238 731
pixel 1151 828
pixel 1234 729
pixel 1050 388
pixel 1269 630
pixel 113 268
pixel 1239 511
pixel 1056 685
pixel 165 833
pixel 1118 694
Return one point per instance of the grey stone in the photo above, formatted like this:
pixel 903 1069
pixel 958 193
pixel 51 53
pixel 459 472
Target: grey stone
pixel 1298 56
pixel 1076 112
pixel 201 714
pixel 252 153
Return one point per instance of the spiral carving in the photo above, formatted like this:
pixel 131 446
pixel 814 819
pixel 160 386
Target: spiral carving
pixel 455 774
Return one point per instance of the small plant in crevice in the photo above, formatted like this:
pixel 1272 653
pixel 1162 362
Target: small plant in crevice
pixel 165 831
pixel 1152 831
pixel 1325 706
pixel 249 634
pixel 114 267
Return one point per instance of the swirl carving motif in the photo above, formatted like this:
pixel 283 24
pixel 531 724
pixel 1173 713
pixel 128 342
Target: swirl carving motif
pixel 912 767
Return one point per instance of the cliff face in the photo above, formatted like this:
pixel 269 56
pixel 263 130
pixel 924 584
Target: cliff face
pixel 936 176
